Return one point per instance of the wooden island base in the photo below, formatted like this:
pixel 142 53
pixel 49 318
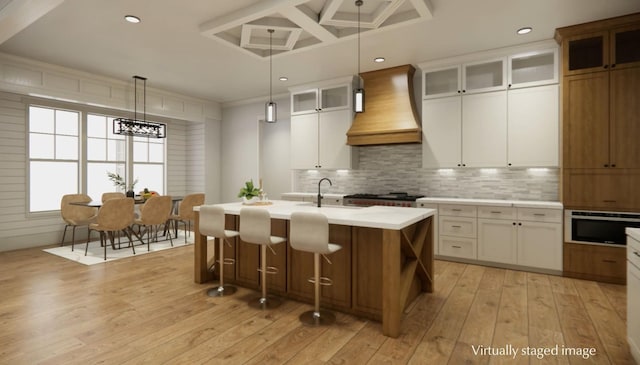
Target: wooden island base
pixel 377 274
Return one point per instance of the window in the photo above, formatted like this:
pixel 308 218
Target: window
pixel 148 163
pixel 53 156
pixel 71 152
pixel 106 152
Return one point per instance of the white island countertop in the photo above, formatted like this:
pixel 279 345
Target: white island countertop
pixel 383 217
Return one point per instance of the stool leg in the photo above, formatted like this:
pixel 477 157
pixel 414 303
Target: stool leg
pixel 222 289
pixel 317 317
pixel 263 302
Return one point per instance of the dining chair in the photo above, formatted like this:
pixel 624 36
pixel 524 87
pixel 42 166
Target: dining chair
pixel 255 227
pixel 75 215
pixel 309 232
pixel 115 215
pixel 112 195
pixel 185 212
pixel 154 212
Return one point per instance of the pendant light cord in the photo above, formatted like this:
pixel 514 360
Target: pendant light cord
pixel 270 63
pixel 359 4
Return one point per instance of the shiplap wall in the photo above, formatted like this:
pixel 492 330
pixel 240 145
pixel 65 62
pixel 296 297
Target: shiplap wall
pixel 19 229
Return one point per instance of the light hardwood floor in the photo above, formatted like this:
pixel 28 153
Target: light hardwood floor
pixel 148 310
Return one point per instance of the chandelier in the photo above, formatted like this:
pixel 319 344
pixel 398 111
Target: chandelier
pixel 136 127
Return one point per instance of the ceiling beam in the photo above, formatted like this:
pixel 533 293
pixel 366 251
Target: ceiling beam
pixel 16 15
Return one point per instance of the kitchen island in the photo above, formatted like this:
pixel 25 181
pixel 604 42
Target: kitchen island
pixel 385 263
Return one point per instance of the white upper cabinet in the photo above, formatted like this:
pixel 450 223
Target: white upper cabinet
pixel 325 98
pixel 465 79
pixel 321 115
pixel 533 137
pixel 499 112
pixel 442 82
pixel 484 76
pixel 533 68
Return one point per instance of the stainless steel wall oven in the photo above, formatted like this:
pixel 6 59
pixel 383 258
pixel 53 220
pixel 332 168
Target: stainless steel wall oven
pixel 598 227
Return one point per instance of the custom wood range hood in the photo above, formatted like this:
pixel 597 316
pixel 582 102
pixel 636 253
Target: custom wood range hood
pixel 390 112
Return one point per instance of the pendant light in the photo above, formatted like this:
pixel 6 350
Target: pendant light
pixel 358 93
pixel 135 126
pixel 270 108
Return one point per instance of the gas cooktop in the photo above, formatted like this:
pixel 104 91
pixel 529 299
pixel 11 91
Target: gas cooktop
pixel 398 199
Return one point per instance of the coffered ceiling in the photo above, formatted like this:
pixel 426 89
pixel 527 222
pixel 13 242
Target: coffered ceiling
pixel 217 49
pixel 299 25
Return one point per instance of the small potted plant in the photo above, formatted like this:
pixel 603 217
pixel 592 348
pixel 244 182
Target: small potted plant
pixel 119 182
pixel 249 193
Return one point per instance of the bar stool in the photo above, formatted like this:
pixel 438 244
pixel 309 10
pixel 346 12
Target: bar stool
pixel 255 227
pixel 212 225
pixel 310 233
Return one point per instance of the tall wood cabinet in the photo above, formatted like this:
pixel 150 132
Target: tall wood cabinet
pixel 601 130
pixel 601 113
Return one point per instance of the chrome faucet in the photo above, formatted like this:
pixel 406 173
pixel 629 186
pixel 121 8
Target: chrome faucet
pixel 320 195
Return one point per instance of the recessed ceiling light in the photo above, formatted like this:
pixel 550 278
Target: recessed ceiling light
pixel 378 59
pixel 524 30
pixel 132 19
pixel 283 78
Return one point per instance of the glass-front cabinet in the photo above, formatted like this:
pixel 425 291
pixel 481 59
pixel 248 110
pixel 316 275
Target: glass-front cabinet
pixel 600 51
pixel 533 68
pixel 464 79
pixel 321 99
pixel 442 82
pixel 484 76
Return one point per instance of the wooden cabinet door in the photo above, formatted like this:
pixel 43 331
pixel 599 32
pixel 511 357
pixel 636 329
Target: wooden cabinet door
pixel 304 141
pixel 604 189
pixel 593 262
pixel 625 118
pixel 442 132
pixel 586 121
pixel 585 53
pixel 540 245
pixel 497 241
pixel 484 129
pixel 533 126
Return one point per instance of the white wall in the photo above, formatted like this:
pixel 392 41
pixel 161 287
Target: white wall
pixel 241 142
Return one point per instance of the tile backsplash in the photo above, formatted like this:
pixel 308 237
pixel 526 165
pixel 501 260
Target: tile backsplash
pixel 383 169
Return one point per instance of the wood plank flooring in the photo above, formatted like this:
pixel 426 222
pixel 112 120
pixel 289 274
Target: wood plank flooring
pixel 148 310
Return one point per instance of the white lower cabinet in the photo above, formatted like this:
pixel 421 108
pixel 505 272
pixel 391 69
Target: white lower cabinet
pixel 532 238
pixel 540 245
pixel 457 231
pixel 633 297
pixel 497 241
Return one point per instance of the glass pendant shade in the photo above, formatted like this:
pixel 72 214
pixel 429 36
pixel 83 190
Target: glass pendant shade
pixel 358 100
pixel 270 112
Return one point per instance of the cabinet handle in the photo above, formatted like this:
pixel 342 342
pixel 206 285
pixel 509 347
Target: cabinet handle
pixel 458 91
pixel 509 164
pixel 514 223
pixel 456 246
pixel 613 65
pixel 496 212
pixel 539 214
pixel 464 164
pixel 609 201
pixel 519 223
pixel 606 165
pixel 636 253
pixel 606 66
pixel 456 210
pixel 609 261
pixel 456 226
pixel 464 91
pixel 509 85
pixel 613 165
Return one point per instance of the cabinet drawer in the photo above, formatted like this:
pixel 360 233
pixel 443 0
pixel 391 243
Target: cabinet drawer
pixel 540 215
pixel 595 262
pixel 458 247
pixel 497 212
pixel 458 210
pixel 633 251
pixel 457 226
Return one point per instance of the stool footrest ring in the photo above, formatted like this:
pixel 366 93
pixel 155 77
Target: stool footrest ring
pixel 271 270
pixel 323 281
